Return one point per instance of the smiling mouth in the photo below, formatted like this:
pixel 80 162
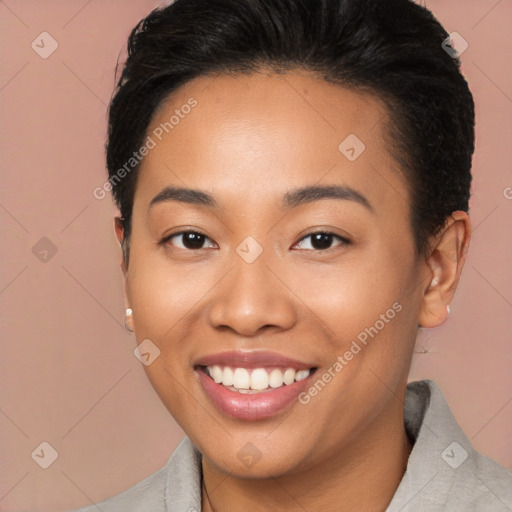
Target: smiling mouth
pixel 255 380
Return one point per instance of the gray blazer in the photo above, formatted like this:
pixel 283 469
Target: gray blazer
pixel 444 473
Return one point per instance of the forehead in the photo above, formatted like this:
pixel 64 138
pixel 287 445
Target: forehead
pixel 248 131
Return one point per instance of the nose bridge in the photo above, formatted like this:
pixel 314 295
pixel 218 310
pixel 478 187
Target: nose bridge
pixel 251 297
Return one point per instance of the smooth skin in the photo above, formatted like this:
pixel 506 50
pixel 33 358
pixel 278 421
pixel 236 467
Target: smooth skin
pixel 249 141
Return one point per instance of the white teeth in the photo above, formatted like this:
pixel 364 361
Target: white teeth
pixel 275 379
pixel 217 374
pixel 301 375
pixel 289 376
pixel 259 379
pixel 241 379
pixel 227 377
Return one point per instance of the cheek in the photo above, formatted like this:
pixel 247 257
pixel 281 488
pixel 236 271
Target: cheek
pixel 163 299
pixel 364 309
pixel 167 301
pixel 350 296
pixel 369 324
pixel 162 294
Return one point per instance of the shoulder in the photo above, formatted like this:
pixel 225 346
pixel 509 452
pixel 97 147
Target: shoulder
pixel 177 483
pixel 444 471
pixel 487 483
pixel 477 485
pixel 147 495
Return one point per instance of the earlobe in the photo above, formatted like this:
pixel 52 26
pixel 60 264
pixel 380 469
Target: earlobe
pixel 445 262
pixel 128 320
pixel 119 231
pixel 434 310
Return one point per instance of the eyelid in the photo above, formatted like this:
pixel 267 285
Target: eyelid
pixel 343 239
pixel 182 232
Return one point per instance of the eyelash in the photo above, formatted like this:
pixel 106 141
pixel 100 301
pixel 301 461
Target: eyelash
pixel 343 240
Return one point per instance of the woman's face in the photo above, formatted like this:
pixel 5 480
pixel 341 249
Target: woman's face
pixel 257 292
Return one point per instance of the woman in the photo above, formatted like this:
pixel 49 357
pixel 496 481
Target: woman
pixel 293 179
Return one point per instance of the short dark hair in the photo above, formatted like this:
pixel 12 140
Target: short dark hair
pixel 389 48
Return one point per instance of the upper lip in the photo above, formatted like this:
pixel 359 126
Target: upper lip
pixel 252 359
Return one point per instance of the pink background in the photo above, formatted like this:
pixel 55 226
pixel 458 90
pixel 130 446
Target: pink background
pixel 67 371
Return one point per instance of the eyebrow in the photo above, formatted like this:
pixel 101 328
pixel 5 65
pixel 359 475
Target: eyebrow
pixel 291 199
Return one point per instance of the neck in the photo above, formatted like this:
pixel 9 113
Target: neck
pixel 363 476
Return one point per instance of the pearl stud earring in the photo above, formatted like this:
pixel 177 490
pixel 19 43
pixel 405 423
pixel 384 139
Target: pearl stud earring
pixel 128 314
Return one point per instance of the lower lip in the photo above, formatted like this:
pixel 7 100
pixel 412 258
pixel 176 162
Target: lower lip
pixel 255 406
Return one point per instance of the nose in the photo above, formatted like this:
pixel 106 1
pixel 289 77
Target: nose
pixel 250 299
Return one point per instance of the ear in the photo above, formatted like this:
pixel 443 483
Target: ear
pixel 119 231
pixel 447 257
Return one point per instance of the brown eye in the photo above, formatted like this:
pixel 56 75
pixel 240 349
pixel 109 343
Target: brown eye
pixel 191 240
pixel 321 241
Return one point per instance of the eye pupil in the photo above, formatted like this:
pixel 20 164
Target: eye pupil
pixel 193 240
pixel 321 240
